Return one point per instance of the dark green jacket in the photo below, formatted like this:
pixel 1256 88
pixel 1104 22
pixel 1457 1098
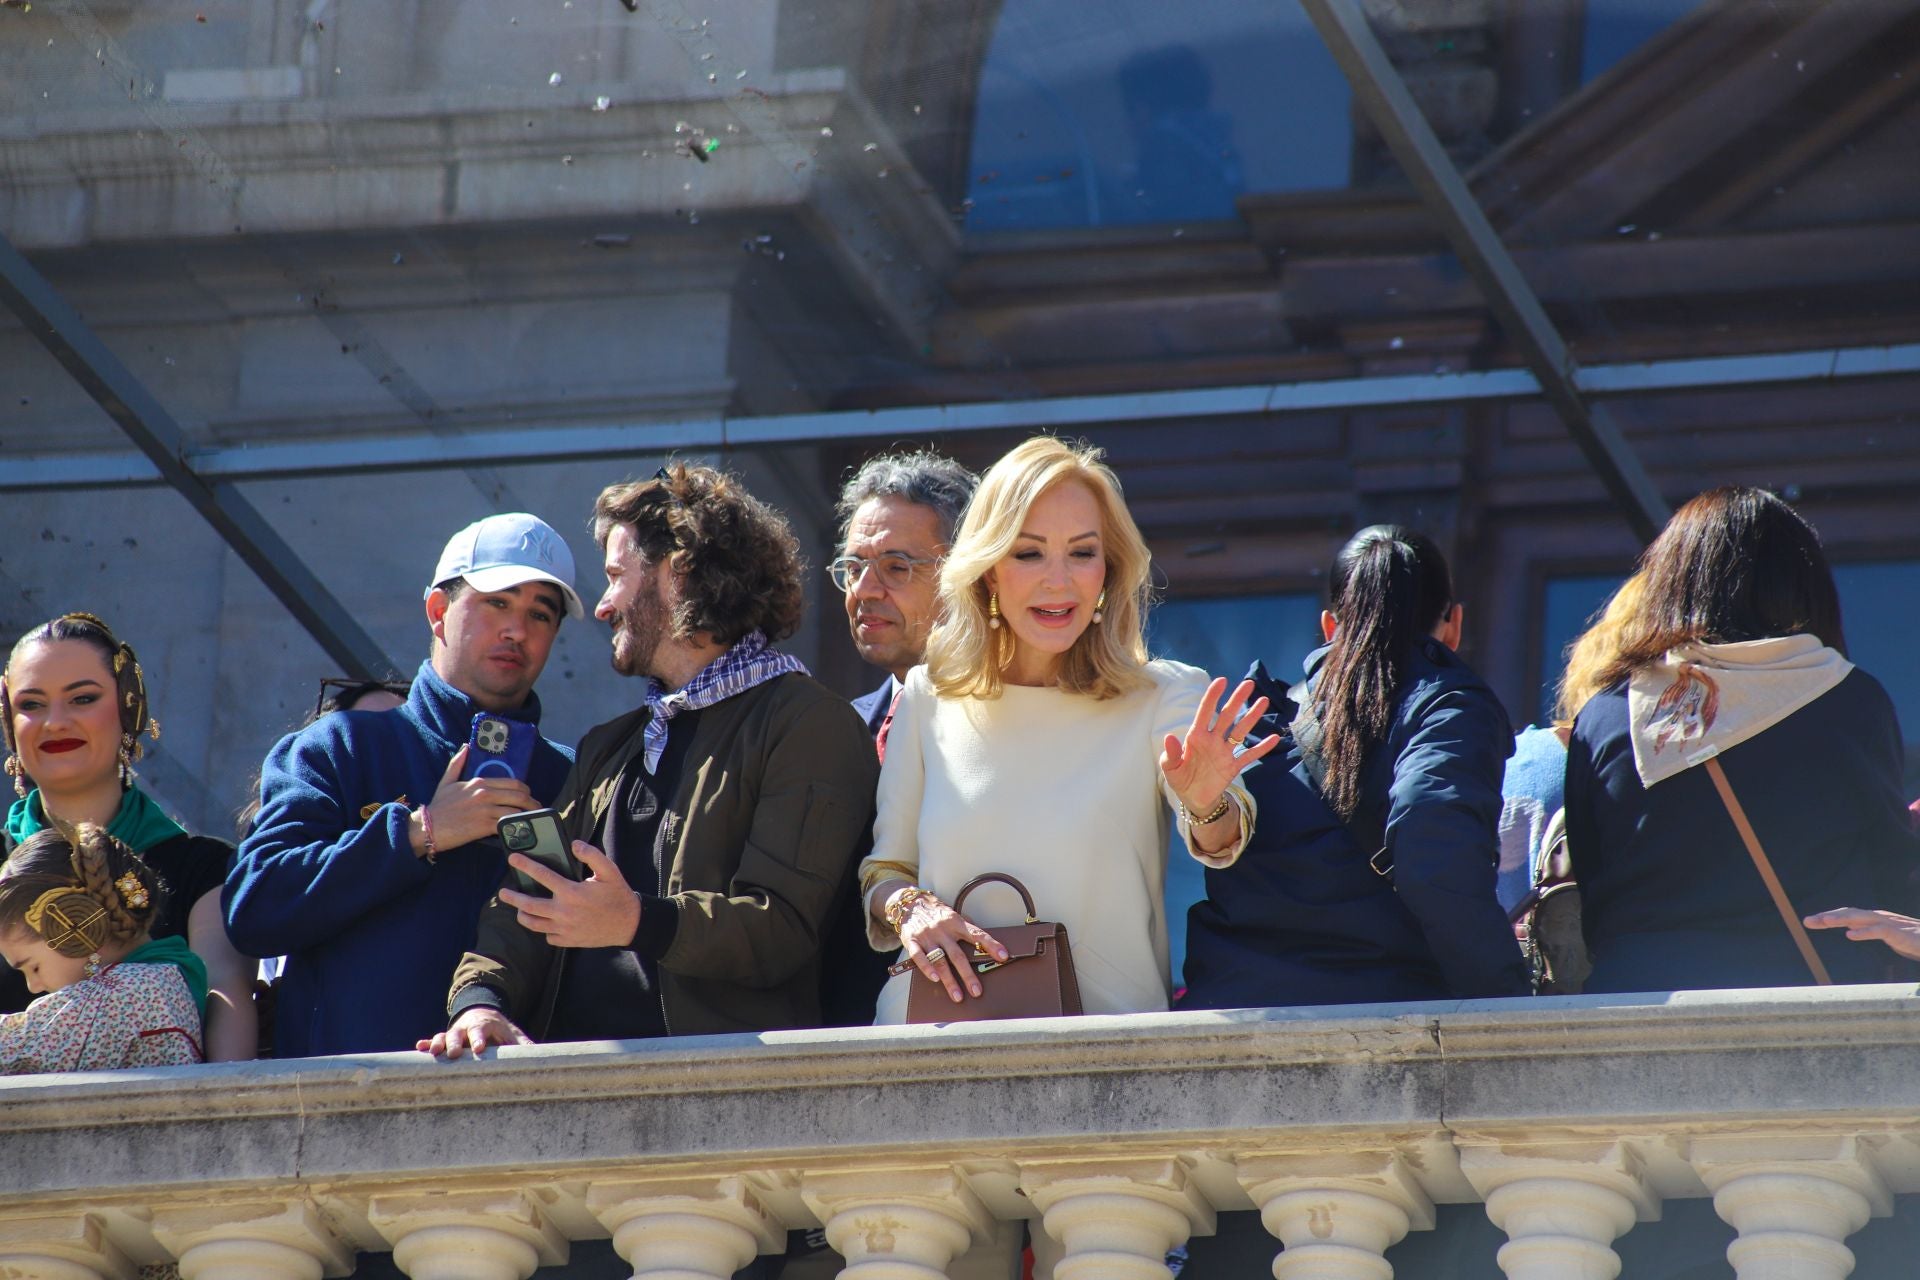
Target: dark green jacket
pixel 774 802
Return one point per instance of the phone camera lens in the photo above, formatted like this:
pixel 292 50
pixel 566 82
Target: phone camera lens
pixel 518 835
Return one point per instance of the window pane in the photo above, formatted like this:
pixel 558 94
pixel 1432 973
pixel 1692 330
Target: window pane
pixel 1570 603
pixel 1615 28
pixel 1880 608
pixel 1139 111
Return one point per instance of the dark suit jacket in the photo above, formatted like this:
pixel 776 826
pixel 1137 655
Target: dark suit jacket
pixel 873 706
pixel 852 972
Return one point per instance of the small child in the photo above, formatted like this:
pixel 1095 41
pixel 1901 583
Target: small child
pixel 74 916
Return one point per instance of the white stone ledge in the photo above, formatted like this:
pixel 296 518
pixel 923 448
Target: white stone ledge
pixel 1510 1073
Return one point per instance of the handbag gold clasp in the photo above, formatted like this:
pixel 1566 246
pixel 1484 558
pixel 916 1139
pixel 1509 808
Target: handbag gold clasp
pixel 983 961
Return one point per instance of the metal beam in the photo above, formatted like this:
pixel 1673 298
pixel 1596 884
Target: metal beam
pixel 59 328
pixel 560 442
pixel 1384 96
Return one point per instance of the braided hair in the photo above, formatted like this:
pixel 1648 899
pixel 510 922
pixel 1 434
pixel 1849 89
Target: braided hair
pixel 130 683
pixel 79 895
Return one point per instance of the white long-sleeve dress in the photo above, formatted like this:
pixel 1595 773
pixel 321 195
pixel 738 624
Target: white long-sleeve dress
pixel 1061 791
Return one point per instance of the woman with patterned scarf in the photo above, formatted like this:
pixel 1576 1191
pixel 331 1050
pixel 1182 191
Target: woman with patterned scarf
pixel 73 708
pixel 74 919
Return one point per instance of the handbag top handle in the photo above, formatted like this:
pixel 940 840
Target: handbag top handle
pixel 1026 898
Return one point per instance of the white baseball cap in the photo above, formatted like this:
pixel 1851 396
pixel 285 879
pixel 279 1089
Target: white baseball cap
pixel 506 550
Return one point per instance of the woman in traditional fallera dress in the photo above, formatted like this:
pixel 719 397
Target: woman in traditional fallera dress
pixel 73 714
pixel 74 920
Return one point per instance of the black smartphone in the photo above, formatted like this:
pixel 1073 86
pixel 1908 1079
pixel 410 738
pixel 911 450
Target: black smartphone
pixel 537 834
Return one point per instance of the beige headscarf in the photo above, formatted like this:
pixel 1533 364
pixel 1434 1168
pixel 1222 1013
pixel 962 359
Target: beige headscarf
pixel 1701 699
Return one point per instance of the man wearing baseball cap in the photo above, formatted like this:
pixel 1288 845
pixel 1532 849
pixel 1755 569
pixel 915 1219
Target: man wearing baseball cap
pixel 371 858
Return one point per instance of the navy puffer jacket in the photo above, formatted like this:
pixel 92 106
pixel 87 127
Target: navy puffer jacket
pixel 1302 919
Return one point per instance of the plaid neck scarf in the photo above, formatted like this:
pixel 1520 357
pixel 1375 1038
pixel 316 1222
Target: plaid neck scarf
pixel 748 663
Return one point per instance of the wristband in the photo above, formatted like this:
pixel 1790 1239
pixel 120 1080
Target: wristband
pixel 426 830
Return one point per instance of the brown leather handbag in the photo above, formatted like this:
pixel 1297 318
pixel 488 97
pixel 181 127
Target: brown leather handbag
pixel 1035 981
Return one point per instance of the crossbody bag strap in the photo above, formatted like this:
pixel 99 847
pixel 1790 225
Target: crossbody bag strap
pixel 1780 900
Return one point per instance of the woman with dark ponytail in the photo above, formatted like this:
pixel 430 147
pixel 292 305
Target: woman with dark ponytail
pixel 75 920
pixel 1371 875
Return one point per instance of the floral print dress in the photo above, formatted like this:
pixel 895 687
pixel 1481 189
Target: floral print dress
pixel 129 1015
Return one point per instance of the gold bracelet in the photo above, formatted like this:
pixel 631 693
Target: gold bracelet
pixel 1219 812
pixel 896 912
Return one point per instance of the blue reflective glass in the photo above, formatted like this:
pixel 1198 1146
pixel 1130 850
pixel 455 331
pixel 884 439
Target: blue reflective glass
pixel 1880 608
pixel 1138 111
pixel 1615 28
pixel 1570 604
pixel 1224 637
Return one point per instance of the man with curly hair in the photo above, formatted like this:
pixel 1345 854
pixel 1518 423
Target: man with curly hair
pixel 714 825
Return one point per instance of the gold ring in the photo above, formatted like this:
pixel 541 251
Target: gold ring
pixel 1236 743
pixel 936 955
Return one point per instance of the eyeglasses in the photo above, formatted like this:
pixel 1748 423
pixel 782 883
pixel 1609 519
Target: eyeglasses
pixel 896 569
pixel 340 690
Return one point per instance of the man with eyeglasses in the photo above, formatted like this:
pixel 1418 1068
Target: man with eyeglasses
pixel 897 514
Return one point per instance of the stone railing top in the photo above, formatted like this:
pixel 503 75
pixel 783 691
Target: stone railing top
pixel 1582 1068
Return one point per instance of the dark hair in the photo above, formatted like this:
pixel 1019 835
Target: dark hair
pixel 924 478
pixel 130 683
pixel 1735 563
pixel 103 905
pixel 1388 588
pixel 738 562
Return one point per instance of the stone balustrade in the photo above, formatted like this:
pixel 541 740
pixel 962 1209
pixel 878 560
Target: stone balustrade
pixel 1796 1111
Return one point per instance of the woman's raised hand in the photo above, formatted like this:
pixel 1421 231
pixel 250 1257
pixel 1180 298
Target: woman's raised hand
pixel 1200 766
pixel 937 940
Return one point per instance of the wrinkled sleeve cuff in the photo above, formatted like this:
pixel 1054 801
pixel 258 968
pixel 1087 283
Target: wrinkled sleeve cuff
pixel 1236 795
pixel 873 873
pixel 475 995
pixel 659 924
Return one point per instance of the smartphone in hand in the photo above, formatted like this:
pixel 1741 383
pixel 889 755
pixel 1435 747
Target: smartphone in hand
pixel 538 835
pixel 498 747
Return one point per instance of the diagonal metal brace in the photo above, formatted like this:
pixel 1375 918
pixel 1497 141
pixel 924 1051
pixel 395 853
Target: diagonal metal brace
pixel 59 328
pixel 1381 91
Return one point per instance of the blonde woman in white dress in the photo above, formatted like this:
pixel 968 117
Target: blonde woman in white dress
pixel 1039 740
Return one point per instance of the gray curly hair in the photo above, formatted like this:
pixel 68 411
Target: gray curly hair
pixel 922 477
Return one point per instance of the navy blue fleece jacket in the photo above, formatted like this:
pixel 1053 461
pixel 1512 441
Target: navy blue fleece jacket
pixel 328 877
pixel 1304 919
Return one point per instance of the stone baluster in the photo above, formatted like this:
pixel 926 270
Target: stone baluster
pixel 1116 1219
pixel 1794 1201
pixel 467 1235
pixel 60 1247
pixel 1562 1205
pixel 1335 1213
pixel 686 1228
pixel 898 1224
pixel 257 1240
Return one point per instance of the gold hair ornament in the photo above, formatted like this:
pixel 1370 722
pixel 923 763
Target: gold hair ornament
pixel 132 892
pixel 63 914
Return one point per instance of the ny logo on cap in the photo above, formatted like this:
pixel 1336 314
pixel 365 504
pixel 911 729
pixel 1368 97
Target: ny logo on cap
pixel 538 545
